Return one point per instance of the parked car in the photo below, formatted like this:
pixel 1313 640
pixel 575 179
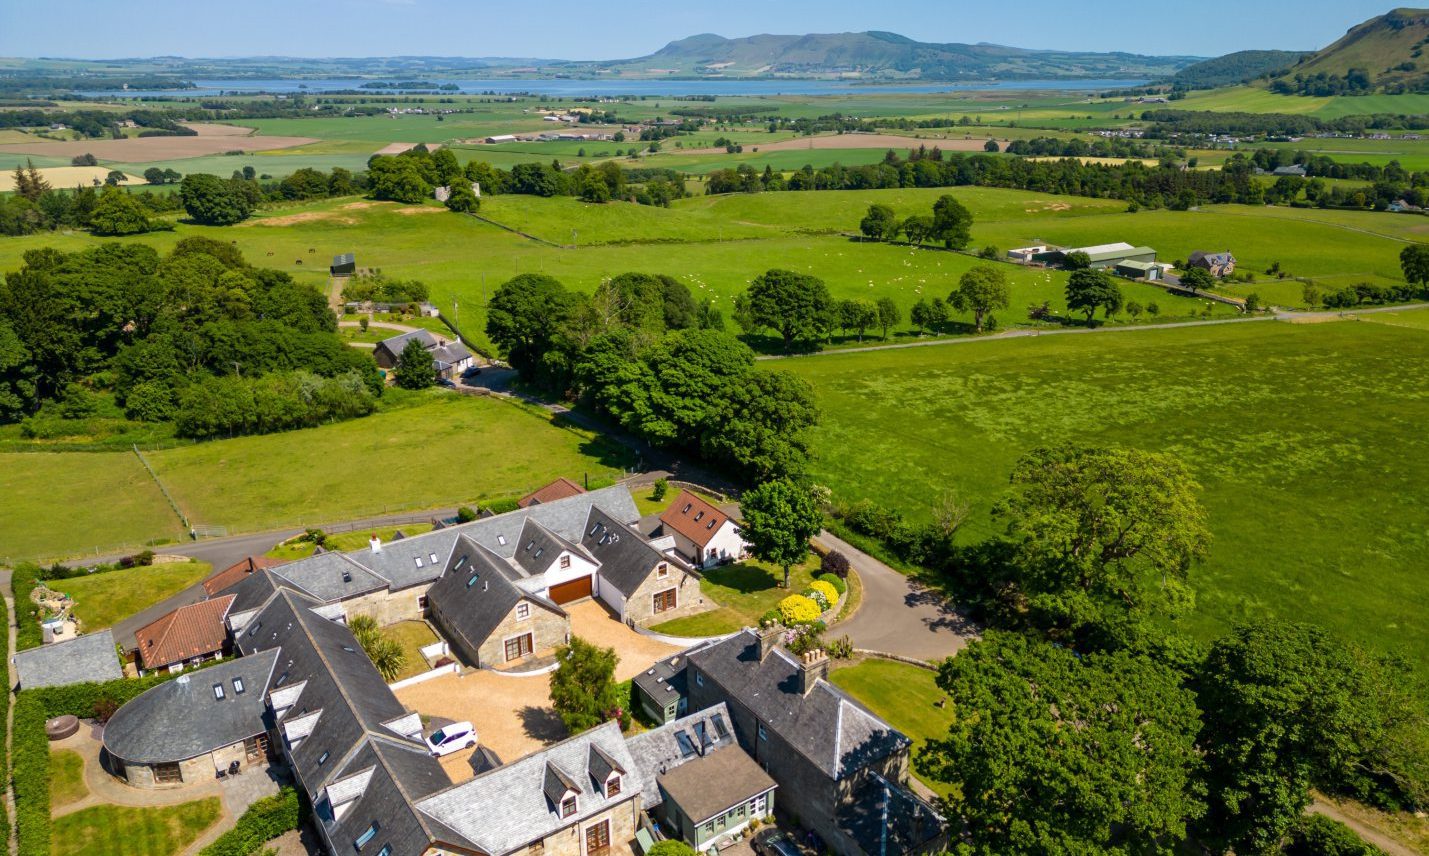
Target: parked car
pixel 450 738
pixel 775 842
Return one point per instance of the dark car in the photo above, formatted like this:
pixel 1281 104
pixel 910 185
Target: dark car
pixel 471 372
pixel 774 842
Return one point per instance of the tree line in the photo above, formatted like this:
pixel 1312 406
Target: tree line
pixel 1089 721
pixel 644 354
pixel 197 337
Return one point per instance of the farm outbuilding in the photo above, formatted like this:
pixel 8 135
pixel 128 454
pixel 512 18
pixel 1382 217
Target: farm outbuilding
pixel 343 265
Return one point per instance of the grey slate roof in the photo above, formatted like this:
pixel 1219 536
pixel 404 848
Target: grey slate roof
pixel 539 546
pixel 183 718
pixel 713 783
pixel 626 558
pixel 506 808
pixel 330 577
pixel 881 816
pixel 401 774
pixel 827 726
pixel 657 751
pixel 665 681
pixel 91 657
pixel 476 593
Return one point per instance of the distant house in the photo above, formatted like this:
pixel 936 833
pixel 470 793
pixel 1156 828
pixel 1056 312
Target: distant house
pixel 558 489
pixel 703 534
pixel 449 359
pixel 443 193
pixel 841 769
pixel 188 636
pixel 1216 264
pixel 699 784
pixel 91 657
pixel 343 265
pixel 1401 206
pixel 1292 169
pixel 501 138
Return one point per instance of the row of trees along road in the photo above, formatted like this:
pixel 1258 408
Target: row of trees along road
pixel 1087 721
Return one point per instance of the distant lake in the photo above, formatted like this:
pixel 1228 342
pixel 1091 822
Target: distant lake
pixel 671 88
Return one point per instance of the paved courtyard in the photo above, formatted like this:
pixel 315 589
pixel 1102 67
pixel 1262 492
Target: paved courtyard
pixel 512 713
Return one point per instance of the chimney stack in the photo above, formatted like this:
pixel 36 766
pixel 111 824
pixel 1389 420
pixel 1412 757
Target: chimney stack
pixel 374 542
pixel 768 638
pixel 812 666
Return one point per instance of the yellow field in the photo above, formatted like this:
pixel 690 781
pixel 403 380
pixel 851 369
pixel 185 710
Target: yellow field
pixel 67 176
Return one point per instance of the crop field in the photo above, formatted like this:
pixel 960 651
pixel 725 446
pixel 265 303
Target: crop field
pixel 1251 99
pixel 1306 440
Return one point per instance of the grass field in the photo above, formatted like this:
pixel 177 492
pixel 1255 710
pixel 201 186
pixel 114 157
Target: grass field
pixel 66 777
pixel 344 541
pixel 446 449
pixel 111 830
pixel 904 695
pixel 103 599
pixel 745 591
pixel 1306 439
pixel 61 503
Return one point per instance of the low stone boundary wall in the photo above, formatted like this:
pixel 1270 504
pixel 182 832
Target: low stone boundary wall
pixel 884 655
pixel 682 641
pixel 449 669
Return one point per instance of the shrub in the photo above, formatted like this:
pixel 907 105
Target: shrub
pixel 771 618
pixel 819 598
pixel 662 487
pixel 803 639
pixel 1317 835
pixel 837 584
pixel 798 609
pixel 841 648
pixel 671 847
pixel 498 506
pixel 27 633
pixel 265 820
pixel 834 564
pixel 828 590
pixel 465 514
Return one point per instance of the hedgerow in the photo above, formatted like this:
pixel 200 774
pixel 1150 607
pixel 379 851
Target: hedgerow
pixel 265 820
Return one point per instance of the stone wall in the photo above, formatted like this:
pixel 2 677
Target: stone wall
pixel 548 629
pixel 689 600
pixel 570 841
pixel 197 770
pixel 389 607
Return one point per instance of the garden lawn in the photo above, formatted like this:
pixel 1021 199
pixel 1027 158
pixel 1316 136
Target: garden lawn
pixel 105 598
pixel 905 696
pixel 744 591
pixel 1307 439
pixel 59 504
pixel 343 542
pixel 110 830
pixel 443 449
pixel 412 636
pixel 66 777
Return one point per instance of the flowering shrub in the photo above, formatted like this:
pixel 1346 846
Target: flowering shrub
pixel 798 609
pixel 839 585
pixel 830 593
pixel 818 597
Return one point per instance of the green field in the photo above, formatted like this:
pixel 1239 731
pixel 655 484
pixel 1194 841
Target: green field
pixel 447 449
pixel 105 598
pixel 1307 440
pixel 111 830
pixel 61 503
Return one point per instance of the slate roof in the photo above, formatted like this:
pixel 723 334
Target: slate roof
pixel 476 593
pixel 506 808
pixel 626 558
pixel 237 572
pixel 394 345
pixel 190 631
pixel 400 774
pixel 658 751
pixel 183 718
pixel 1212 258
pixel 665 681
pixel 91 657
pixel 711 784
pixel 255 591
pixel 343 259
pixel 882 814
pixel 561 488
pixel 538 547
pixel 331 577
pixel 693 518
pixel 827 726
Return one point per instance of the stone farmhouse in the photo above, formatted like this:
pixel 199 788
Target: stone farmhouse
pixel 1216 264
pixel 449 359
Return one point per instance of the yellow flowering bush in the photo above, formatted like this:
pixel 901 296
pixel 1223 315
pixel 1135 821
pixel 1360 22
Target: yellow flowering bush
pixel 797 609
pixel 830 593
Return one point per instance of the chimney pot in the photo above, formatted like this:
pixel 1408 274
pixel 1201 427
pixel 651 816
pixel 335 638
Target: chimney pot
pixel 374 542
pixel 768 638
pixel 812 666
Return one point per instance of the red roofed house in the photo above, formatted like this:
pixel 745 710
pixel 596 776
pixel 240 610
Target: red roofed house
pixel 237 573
pixel 561 488
pixel 185 637
pixel 703 534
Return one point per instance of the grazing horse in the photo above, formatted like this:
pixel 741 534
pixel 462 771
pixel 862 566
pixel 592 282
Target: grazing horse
pixel 298 261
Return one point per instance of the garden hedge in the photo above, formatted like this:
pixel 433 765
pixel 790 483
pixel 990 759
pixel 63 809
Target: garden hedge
pixel 27 618
pixel 839 585
pixel 4 710
pixel 265 820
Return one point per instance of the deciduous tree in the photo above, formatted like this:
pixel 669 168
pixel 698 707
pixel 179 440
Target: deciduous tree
pixel 980 291
pixel 795 305
pixel 414 367
pixel 952 223
pixel 779 518
pixel 1089 290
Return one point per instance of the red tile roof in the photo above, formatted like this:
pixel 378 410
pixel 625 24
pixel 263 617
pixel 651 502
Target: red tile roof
pixel 237 572
pixel 189 631
pixel 561 488
pixel 693 518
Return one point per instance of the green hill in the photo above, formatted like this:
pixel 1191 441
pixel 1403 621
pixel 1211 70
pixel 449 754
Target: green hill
pixel 1238 67
pixel 882 55
pixel 1384 54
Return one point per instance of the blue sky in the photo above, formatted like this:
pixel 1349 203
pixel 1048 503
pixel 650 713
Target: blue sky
pixel 582 29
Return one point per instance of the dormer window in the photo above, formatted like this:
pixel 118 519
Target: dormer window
pixel 612 786
pixel 568 806
pixel 523 611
